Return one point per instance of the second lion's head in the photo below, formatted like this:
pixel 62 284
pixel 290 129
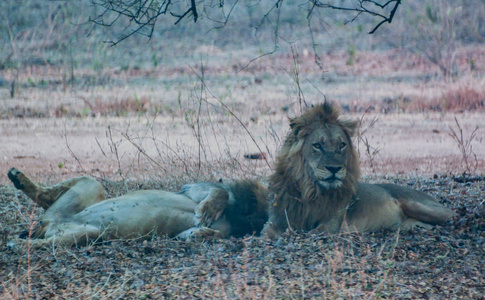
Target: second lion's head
pixel 318 155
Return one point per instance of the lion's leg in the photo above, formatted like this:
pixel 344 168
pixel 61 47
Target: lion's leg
pixel 43 196
pixel 74 235
pixel 20 243
pixel 418 205
pixel 220 229
pixel 277 223
pixel 210 209
pixel 198 234
pixel 432 214
pixel 33 191
pixel 67 235
pixel 333 225
pixel 81 193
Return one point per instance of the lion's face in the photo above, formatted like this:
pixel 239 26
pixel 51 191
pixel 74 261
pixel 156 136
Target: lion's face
pixel 318 156
pixel 326 150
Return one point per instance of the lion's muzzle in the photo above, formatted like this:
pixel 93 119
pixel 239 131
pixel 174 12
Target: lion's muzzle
pixel 330 177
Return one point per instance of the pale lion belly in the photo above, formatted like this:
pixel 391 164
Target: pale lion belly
pixel 140 213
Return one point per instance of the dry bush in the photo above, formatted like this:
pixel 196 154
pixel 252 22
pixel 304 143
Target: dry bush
pixel 118 108
pixel 214 146
pixel 363 144
pixel 454 99
pixel 437 29
pixel 464 144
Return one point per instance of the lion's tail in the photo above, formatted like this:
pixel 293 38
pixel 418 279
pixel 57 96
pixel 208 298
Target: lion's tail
pixel 435 214
pixel 418 205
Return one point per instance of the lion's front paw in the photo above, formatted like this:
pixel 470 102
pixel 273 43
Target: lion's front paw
pixel 208 212
pixel 197 234
pixel 211 209
pixel 204 234
pixel 270 232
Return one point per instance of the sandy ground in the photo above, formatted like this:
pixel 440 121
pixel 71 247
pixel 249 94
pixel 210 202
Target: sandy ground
pixel 53 133
pixel 56 148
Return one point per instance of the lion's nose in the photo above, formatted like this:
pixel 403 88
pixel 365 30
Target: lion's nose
pixel 334 170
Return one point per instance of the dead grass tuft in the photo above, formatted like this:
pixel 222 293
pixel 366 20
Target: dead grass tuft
pixel 454 99
pixel 117 108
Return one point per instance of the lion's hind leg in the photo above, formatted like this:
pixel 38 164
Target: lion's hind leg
pixel 67 234
pixel 73 234
pixel 33 191
pixel 45 197
pixel 411 223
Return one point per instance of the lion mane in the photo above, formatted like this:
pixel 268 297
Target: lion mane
pixel 297 201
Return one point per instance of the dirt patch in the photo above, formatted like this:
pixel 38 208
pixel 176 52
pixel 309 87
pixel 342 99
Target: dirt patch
pixel 150 149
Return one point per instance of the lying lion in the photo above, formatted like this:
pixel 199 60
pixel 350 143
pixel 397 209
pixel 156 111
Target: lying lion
pixel 77 211
pixel 315 184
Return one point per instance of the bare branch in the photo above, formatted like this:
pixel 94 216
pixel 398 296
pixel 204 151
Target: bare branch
pixel 362 9
pixel 192 9
pixel 388 20
pixel 142 15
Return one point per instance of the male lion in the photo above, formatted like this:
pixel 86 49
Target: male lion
pixel 77 211
pixel 315 184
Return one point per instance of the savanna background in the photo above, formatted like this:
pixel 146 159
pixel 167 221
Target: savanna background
pixel 188 102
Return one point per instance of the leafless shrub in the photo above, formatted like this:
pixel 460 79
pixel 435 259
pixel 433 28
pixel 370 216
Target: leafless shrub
pixel 30 39
pixel 21 285
pixel 437 29
pixel 363 142
pixel 73 154
pixel 453 98
pixel 207 93
pixel 120 107
pixel 295 75
pixel 209 155
pixel 464 144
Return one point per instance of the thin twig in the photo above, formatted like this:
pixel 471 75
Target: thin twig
pixel 227 109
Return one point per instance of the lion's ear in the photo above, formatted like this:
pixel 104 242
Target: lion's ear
pixel 298 128
pixel 295 126
pixel 351 126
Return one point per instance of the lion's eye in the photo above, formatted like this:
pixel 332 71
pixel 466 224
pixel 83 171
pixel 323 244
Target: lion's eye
pixel 342 145
pixel 317 146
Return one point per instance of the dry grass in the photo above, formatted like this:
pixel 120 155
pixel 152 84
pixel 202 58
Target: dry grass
pixel 464 142
pixel 459 98
pixel 394 81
